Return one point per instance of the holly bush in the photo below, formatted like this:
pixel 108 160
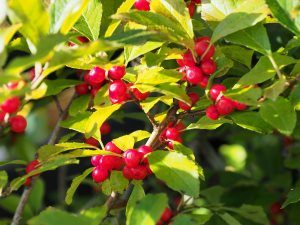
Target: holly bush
pixel 149 112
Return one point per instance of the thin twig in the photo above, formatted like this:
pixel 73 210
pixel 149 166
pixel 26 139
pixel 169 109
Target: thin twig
pixel 274 64
pixel 190 114
pixel 25 195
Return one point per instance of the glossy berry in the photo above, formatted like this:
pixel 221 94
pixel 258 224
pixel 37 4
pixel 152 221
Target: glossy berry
pixel 18 124
pixel 2 116
pixel 201 46
pixel 117 91
pixel 118 163
pixel 99 174
pixel 208 66
pixel 172 133
pixel 167 215
pixel 170 143
pixel 144 149
pixel 12 85
pixel 215 90
pixel 83 39
pixel 225 106
pixel 107 162
pixel 96 76
pixel 82 89
pixel 105 128
pixel 187 59
pixel 142 5
pixel 132 158
pixel 139 95
pixel 11 105
pixel 92 141
pixel 204 82
pixel 32 165
pixel 192 8
pixel 212 112
pixel 117 72
pixel 239 106
pixel 193 98
pixel 95 160
pixel 179 126
pixel 194 75
pixel 197 1
pixel 110 146
pixel 139 173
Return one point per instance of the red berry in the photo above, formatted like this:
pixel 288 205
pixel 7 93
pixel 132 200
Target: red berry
pixel 82 89
pixel 96 76
pixel 99 174
pixel 208 66
pixel 215 90
pixel 132 158
pixel 239 106
pixel 204 82
pixel 118 163
pixel 117 91
pixel 86 78
pixel 92 141
pixel 105 128
pixel 193 97
pixel 32 165
pixel 11 105
pixel 194 75
pixel 204 38
pixel 197 1
pixel 107 162
pixel 139 95
pixel 187 59
pixel 31 74
pixel 139 173
pixel 95 160
pixel 95 90
pixel 160 223
pixel 172 133
pixel 110 146
pixel 212 112
pixel 167 215
pixel 170 144
pixel 179 126
pixel 127 173
pixel 225 106
pixel 201 47
pixel 12 85
pixel 276 208
pixel 142 5
pixel 2 116
pixel 18 124
pixel 144 149
pixel 117 72
pixel 192 8
pixel 83 39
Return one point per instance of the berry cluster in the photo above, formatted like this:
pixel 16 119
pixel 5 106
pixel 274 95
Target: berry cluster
pixel 8 110
pixel 165 217
pixel 119 90
pixel 30 167
pixel 222 105
pixel 133 163
pixel 172 133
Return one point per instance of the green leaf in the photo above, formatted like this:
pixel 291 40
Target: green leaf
pixel 89 22
pixel 10 204
pixel 252 213
pixel 51 165
pixel 238 54
pixel 280 114
pixel 275 89
pixel 6 34
pixel 3 180
pixel 255 37
pixel 36 200
pixel 264 70
pixel 176 170
pixel 230 220
pixel 65 13
pixel 116 183
pixel 248 95
pixel 52 87
pixel 148 210
pixel 235 22
pixel 251 121
pixel 224 64
pixel 132 52
pixel 292 197
pixel 96 214
pixel 79 105
pixel 284 16
pixel 53 216
pixel 234 156
pixel 127 141
pixel 295 97
pixel 177 11
pixel 75 184
pixel 13 162
pixel 205 123
pixel 33 16
pixel 137 194
pixel 184 219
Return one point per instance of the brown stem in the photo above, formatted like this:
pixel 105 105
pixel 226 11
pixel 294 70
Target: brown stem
pixel 26 193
